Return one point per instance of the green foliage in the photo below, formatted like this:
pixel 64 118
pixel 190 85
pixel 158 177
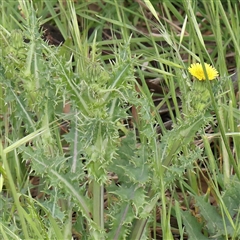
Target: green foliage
pixel 193 227
pixel 218 222
pixel 103 178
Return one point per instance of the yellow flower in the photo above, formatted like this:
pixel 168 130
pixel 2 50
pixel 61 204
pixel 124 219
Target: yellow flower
pixel 196 70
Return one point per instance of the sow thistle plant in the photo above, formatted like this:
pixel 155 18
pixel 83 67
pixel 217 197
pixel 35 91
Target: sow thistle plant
pixel 99 144
pixel 199 95
pixel 100 179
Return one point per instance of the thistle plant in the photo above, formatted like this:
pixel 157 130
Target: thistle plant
pixel 198 97
pixel 76 161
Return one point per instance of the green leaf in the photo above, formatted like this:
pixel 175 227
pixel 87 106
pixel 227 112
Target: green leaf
pixel 181 135
pixel 193 227
pixel 231 197
pixel 214 222
pixel 131 162
pixel 236 112
pixel 122 217
pixel 152 9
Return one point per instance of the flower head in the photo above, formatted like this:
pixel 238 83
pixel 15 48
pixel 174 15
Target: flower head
pixel 196 70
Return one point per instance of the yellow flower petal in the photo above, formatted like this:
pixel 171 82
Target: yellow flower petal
pixel 196 70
